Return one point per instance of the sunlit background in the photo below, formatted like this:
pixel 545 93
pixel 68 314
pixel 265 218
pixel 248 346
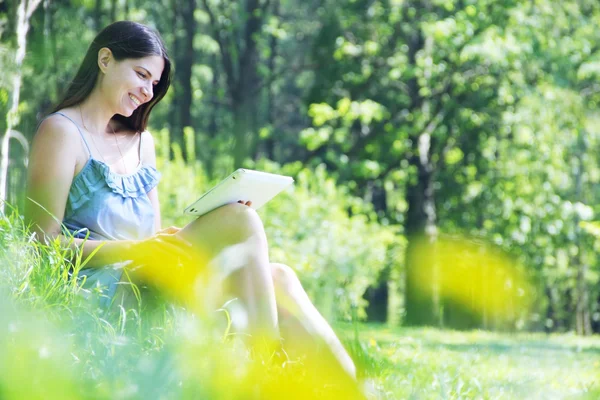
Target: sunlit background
pixel 447 184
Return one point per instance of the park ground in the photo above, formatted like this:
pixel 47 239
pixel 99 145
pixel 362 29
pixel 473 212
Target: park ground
pixel 426 363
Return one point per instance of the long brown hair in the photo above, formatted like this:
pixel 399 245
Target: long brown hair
pixel 125 39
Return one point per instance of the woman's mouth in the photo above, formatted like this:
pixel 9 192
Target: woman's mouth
pixel 135 100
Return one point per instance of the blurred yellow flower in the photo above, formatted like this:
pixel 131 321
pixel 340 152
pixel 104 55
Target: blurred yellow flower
pixel 475 275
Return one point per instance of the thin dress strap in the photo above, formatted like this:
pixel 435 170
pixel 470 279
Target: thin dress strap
pixel 79 130
pixel 142 134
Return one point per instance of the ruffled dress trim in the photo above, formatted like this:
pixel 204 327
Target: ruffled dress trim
pixel 96 174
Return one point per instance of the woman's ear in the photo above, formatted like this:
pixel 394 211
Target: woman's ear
pixel 105 56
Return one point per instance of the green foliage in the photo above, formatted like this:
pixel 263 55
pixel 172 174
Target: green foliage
pixel 337 255
pixel 488 107
pixel 330 238
pixel 493 104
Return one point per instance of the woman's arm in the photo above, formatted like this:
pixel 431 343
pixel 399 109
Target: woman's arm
pixel 52 166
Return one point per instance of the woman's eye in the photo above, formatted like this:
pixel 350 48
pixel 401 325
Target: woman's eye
pixel 141 75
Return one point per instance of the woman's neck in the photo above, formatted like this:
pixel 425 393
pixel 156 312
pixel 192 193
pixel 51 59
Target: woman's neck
pixel 95 113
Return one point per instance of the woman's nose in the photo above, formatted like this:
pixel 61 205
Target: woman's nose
pixel 147 92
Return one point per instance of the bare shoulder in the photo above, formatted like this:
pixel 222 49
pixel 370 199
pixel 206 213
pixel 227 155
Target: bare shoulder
pixel 50 172
pixel 57 131
pixel 57 140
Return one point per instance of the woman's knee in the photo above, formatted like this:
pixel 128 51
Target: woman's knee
pixel 285 279
pixel 238 220
pixel 226 225
pixel 234 213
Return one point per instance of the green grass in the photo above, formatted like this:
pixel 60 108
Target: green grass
pixel 440 364
pixel 55 344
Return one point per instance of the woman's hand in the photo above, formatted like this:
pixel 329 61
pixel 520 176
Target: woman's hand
pixel 163 247
pixel 169 231
pixel 169 263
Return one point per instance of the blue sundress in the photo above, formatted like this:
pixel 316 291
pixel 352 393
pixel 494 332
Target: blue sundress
pixel 104 205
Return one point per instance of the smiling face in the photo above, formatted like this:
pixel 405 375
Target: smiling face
pixel 128 83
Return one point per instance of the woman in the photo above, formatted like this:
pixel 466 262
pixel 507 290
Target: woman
pixel 92 181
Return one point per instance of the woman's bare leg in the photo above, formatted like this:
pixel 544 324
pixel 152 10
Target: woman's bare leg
pixel 233 238
pixel 301 322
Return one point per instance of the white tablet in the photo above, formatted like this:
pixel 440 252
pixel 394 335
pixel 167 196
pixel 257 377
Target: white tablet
pixel 243 184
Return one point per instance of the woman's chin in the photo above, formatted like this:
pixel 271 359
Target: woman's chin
pixel 126 113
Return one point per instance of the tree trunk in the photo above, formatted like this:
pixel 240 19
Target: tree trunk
pixel 184 68
pixel 242 129
pixel 245 124
pixel 24 12
pixel 212 124
pixel 379 297
pixel 422 298
pixel 176 132
pixel 396 300
pixel 212 128
pixel 551 320
pixel 569 310
pixel 583 320
pixel 596 321
pixel 113 10
pixel 241 75
pixel 49 56
pixel 98 15
pixel 269 143
pixel 582 307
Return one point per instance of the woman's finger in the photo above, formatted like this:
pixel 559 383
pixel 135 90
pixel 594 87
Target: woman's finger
pixel 170 230
pixel 178 240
